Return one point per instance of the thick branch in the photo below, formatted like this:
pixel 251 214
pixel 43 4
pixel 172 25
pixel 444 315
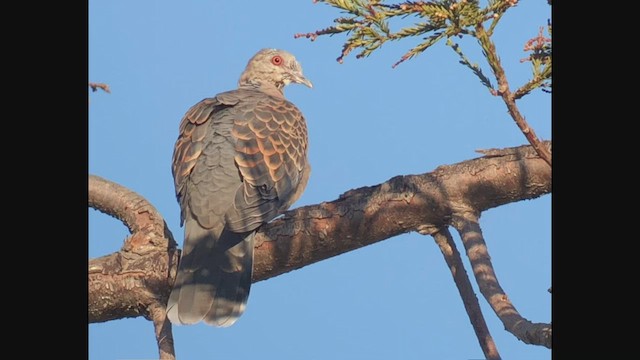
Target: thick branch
pixel 358 218
pixel 139 216
pixel 126 284
pixel 466 222
pixel 454 262
pixel 424 202
pixel 135 280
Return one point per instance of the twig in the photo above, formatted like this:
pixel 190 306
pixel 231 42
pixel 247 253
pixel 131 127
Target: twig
pixel 531 84
pixel 164 335
pixel 466 222
pixel 484 80
pixel 507 96
pixel 95 86
pixel 454 261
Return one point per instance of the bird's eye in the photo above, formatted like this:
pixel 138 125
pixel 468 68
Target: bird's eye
pixel 277 60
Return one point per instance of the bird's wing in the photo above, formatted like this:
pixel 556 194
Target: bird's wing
pixel 271 156
pixel 203 166
pixel 269 137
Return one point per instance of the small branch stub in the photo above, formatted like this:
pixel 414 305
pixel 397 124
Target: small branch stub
pixel 95 86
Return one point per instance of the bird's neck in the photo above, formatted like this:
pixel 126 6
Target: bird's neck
pixel 272 89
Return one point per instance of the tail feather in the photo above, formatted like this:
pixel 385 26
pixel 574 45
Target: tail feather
pixel 232 292
pixel 214 277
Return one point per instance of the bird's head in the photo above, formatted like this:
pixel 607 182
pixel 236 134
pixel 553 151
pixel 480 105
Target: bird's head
pixel 272 68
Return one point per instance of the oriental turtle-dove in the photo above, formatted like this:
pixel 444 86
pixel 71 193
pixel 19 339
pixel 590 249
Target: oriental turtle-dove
pixel 240 160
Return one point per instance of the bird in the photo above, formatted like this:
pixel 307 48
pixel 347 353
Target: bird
pixel 240 160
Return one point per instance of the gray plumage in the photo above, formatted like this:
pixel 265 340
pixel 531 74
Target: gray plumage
pixel 239 161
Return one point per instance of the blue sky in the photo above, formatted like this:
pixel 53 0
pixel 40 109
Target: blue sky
pixel 367 123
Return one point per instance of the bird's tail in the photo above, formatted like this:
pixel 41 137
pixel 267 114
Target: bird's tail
pixel 214 276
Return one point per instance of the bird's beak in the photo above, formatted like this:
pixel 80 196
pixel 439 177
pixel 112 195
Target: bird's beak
pixel 300 79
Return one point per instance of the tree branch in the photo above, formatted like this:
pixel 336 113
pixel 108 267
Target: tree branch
pixel 162 327
pixel 360 217
pixel 135 280
pixel 454 262
pixel 509 99
pixel 407 203
pixel 466 222
pixel 367 26
pixel 148 229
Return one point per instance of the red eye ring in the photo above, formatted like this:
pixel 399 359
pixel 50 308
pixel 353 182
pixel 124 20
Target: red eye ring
pixel 277 60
